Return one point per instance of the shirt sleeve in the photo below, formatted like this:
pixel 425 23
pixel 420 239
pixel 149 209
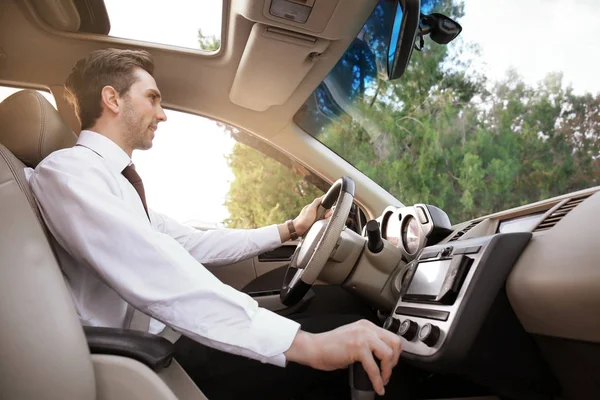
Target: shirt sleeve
pixel 219 246
pixel 149 269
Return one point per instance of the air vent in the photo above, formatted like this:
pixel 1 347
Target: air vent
pixel 463 231
pixel 559 213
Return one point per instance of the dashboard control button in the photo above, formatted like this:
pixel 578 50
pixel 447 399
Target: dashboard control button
pixel 429 334
pixel 460 250
pixel 408 329
pixel 430 254
pixel 391 324
pixel 472 250
pixel 447 251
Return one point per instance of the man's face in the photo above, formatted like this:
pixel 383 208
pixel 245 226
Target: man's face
pixel 141 111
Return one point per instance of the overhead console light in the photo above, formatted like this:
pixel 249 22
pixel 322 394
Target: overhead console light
pixel 293 10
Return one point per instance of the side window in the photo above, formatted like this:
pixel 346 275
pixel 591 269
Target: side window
pixel 208 175
pixel 6 91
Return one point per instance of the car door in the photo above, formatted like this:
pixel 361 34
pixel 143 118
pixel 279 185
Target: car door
pixel 240 274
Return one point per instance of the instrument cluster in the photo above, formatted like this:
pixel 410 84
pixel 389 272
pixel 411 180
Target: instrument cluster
pixel 415 227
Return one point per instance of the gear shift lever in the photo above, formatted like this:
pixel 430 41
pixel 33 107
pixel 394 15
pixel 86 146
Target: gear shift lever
pixel 360 384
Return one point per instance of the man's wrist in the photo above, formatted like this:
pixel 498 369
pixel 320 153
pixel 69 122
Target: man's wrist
pixel 302 350
pixel 299 227
pixel 292 229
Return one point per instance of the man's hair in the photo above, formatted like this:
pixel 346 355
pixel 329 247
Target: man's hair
pixel 107 67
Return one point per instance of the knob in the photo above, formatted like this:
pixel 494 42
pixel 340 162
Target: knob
pixel 408 329
pixel 391 324
pixel 374 242
pixel 429 334
pixel 360 384
pixel 447 251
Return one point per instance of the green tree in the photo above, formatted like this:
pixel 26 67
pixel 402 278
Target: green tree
pixel 442 134
pixel 208 42
pixel 450 138
pixel 264 192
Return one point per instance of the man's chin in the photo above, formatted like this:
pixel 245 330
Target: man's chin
pixel 144 146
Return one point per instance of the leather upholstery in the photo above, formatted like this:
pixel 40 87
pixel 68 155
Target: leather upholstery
pixel 43 350
pixel 31 128
pixel 39 361
pixel 154 351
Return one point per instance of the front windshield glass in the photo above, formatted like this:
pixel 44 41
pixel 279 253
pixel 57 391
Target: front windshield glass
pixel 506 115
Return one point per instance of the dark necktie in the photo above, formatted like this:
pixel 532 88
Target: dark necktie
pixel 136 181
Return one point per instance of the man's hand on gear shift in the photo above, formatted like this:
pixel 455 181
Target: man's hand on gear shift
pixel 341 347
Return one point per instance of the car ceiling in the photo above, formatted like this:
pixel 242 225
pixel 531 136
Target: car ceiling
pixel 35 53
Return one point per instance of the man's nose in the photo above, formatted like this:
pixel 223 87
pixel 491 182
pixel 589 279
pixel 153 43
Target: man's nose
pixel 161 115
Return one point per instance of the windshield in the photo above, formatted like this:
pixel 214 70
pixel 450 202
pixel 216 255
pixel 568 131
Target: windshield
pixel 505 115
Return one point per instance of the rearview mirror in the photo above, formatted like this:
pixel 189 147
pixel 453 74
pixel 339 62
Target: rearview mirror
pixel 410 24
pixel 402 39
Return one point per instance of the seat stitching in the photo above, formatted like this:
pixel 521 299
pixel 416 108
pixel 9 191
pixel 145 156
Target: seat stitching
pixel 31 201
pixel 43 123
pixel 6 182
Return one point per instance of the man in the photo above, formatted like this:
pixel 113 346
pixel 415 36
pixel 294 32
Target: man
pixel 120 256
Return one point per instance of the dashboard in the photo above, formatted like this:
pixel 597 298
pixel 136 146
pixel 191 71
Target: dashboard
pixel 437 288
pixel 524 223
pixel 496 299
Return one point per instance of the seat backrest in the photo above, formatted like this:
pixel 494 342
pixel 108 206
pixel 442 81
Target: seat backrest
pixel 43 350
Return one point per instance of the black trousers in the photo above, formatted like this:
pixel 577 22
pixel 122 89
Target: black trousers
pixel 222 375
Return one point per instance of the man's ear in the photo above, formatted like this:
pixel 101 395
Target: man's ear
pixel 110 99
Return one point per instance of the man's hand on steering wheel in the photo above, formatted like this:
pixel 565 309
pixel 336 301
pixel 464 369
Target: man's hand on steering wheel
pixel 309 215
pixel 302 223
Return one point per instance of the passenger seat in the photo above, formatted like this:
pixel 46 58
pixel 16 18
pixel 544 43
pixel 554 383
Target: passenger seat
pixel 44 351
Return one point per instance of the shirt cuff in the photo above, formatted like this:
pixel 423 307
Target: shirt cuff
pixel 275 335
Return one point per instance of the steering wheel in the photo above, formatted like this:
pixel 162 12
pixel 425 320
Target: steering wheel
pixel 317 244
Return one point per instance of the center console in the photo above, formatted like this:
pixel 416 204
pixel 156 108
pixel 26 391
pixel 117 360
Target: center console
pixel 447 293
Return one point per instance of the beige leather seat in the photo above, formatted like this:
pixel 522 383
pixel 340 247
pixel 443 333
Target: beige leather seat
pixel 44 352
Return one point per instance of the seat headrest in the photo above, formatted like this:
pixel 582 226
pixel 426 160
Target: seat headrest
pixel 31 128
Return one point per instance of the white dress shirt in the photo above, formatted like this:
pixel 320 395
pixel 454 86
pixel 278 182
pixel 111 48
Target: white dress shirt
pixel 113 258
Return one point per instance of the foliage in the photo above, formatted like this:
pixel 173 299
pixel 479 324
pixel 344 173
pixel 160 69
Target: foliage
pixel 442 134
pixel 208 43
pixel 264 192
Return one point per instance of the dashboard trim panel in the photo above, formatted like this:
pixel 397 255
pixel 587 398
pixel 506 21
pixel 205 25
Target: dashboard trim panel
pixel 484 280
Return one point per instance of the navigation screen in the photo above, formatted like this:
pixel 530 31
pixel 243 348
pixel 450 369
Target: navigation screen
pixel 429 278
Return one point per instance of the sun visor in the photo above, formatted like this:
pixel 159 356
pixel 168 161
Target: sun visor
pixel 272 66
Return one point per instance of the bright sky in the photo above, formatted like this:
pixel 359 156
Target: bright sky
pixel 537 37
pixel 185 173
pixel 7 91
pixel 173 22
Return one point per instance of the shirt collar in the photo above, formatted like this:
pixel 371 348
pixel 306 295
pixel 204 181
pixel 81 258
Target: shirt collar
pixel 106 148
